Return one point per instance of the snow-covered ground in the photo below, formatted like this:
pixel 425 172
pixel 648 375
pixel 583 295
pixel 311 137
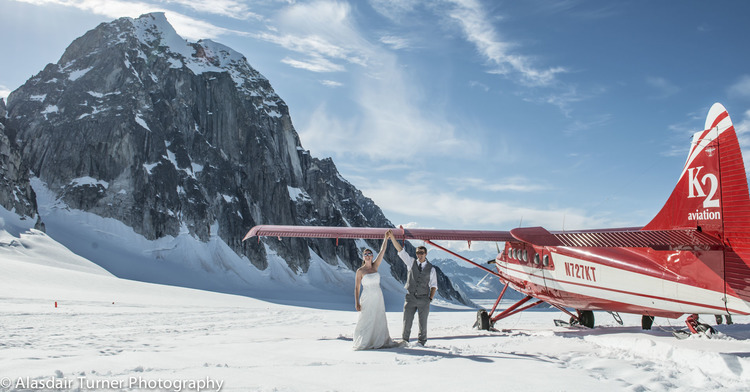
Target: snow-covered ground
pixel 108 333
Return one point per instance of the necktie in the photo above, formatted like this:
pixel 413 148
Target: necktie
pixel 420 267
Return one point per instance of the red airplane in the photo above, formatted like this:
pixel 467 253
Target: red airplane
pixel 692 258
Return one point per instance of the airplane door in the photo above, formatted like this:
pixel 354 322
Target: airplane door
pixel 542 267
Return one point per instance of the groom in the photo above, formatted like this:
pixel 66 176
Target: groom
pixel 421 285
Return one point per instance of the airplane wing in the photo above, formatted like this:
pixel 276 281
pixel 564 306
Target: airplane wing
pixel 377 233
pixel 687 239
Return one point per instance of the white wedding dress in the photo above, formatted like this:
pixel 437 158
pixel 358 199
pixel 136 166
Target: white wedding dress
pixel 372 326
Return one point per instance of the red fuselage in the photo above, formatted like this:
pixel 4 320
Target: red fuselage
pixel 630 280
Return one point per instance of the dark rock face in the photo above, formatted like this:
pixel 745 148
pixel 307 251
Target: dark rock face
pixel 137 124
pixel 16 194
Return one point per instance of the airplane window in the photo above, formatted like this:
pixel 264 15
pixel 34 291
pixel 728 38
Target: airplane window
pixel 536 259
pixel 525 255
pixel 546 260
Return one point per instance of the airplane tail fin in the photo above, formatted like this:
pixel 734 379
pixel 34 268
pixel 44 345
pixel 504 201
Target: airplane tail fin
pixel 712 192
pixel 712 196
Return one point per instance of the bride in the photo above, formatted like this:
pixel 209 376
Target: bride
pixel 372 326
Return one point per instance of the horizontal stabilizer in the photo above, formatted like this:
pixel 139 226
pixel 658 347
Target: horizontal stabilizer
pixel 688 239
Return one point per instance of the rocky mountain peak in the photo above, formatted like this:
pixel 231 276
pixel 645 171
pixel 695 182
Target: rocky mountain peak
pixel 16 194
pixel 137 124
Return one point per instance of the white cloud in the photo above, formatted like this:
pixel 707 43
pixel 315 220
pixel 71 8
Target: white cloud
pixel 396 43
pixel 741 88
pixel 411 225
pixel 230 8
pixel 479 31
pixel 563 97
pixel 187 27
pixel 314 46
pixel 397 120
pixel 742 128
pixel 394 123
pixel 326 134
pixel 196 29
pixel 479 85
pixel 322 31
pixel 582 125
pixel 508 184
pixel 4 92
pixel 664 87
pixel 314 64
pixel 395 10
pixel 563 100
pixel 419 200
pixel 392 119
pixel 331 83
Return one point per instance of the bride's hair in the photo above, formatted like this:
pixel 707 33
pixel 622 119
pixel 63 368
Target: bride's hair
pixel 362 251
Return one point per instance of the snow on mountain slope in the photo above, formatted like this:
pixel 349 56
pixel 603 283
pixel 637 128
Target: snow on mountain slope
pixel 19 241
pixel 186 261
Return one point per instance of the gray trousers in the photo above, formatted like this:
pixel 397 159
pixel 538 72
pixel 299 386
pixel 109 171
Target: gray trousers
pixel 414 304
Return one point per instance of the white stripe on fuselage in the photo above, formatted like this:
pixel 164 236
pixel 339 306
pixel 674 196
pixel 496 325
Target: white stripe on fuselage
pixel 583 277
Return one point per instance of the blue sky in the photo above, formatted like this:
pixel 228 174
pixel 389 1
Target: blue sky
pixel 466 113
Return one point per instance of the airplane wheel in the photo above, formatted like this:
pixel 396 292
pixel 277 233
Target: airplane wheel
pixel 647 322
pixel 586 318
pixel 483 320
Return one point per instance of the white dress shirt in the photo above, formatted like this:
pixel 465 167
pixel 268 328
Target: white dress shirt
pixel 409 261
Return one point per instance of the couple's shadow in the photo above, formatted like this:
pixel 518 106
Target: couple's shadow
pixel 449 352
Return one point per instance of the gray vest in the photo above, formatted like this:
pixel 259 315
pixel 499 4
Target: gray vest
pixel 418 283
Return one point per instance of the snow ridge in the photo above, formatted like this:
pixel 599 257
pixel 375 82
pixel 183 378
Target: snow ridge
pixel 154 31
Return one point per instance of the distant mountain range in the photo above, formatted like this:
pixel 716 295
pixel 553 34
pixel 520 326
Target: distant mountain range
pixel 136 129
pixel 470 281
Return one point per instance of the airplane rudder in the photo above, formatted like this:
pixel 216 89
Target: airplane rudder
pixel 713 185
pixel 735 198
